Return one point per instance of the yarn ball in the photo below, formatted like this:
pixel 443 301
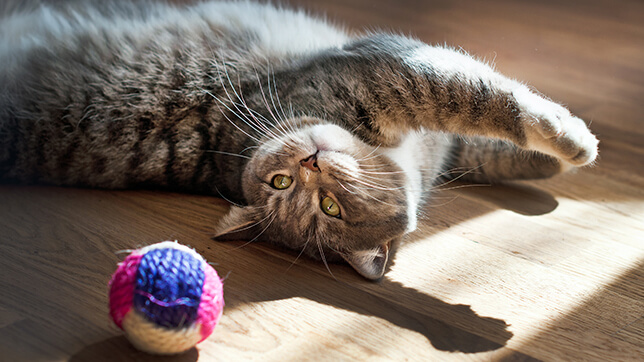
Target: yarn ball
pixel 166 298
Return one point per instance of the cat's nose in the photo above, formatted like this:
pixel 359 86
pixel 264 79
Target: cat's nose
pixel 311 163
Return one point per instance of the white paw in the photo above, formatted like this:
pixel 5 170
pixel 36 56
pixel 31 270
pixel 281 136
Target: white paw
pixel 551 129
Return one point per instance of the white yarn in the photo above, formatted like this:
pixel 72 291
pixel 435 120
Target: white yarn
pixel 151 338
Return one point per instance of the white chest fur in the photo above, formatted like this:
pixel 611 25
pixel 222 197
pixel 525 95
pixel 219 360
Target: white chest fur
pixel 408 156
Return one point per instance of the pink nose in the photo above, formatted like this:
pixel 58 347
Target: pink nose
pixel 311 163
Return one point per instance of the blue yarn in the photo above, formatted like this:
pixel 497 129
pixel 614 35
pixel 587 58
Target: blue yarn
pixel 168 287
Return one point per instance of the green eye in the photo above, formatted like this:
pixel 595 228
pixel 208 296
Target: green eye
pixel 330 207
pixel 282 182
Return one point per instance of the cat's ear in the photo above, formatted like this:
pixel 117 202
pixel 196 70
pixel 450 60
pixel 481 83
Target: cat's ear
pixel 239 224
pixel 370 263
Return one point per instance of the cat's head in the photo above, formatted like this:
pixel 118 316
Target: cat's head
pixel 322 191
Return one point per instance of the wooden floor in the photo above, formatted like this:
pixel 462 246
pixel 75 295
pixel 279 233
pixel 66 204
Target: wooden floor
pixel 550 270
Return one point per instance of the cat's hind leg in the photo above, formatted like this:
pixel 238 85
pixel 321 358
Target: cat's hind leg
pixel 555 141
pixel 486 160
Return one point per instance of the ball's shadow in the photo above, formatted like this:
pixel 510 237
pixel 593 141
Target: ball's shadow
pixel 119 349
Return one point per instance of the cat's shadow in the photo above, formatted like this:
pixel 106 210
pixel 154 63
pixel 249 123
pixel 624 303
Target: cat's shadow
pixel 351 293
pixel 438 321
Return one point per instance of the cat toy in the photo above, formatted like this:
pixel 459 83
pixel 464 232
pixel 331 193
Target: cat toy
pixel 166 298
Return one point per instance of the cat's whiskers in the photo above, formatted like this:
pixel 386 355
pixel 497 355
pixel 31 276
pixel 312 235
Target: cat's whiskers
pixel 365 187
pixel 363 171
pixel 379 182
pixel 284 116
pixel 370 175
pixel 438 187
pixel 377 199
pixel 455 170
pixel 281 124
pixel 374 171
pixel 225 198
pixel 345 188
pixel 306 244
pixel 254 114
pixel 368 155
pixel 237 112
pixel 228 153
pixel 248 148
pixel 251 118
pixel 281 131
pixel 265 130
pixel 252 123
pixel 279 119
pixel 362 191
pixel 228 118
pixel 365 192
pixel 377 187
pixel 324 259
pixel 273 214
pixel 375 182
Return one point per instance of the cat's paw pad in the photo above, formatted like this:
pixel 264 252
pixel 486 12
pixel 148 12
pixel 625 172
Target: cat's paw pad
pixel 551 129
pixel 563 136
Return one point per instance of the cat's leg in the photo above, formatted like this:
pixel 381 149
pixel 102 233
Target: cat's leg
pixel 485 160
pixel 480 101
pixel 382 86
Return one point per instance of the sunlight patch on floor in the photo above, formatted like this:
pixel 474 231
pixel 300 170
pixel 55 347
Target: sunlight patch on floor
pixel 497 266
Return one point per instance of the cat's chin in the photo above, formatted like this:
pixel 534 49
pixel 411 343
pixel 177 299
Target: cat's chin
pixel 329 137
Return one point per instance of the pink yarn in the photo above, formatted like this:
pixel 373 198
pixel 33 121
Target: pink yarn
pixel 211 305
pixel 122 288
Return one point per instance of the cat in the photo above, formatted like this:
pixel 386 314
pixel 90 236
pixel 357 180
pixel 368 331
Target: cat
pixel 325 143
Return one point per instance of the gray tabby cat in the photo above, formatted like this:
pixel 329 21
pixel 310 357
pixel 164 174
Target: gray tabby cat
pixel 328 144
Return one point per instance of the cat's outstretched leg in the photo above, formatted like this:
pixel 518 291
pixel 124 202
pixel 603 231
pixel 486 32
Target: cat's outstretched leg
pixel 382 86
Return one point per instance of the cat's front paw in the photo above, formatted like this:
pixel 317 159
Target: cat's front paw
pixel 551 129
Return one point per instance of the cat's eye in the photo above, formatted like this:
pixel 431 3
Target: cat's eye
pixel 330 207
pixel 281 182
